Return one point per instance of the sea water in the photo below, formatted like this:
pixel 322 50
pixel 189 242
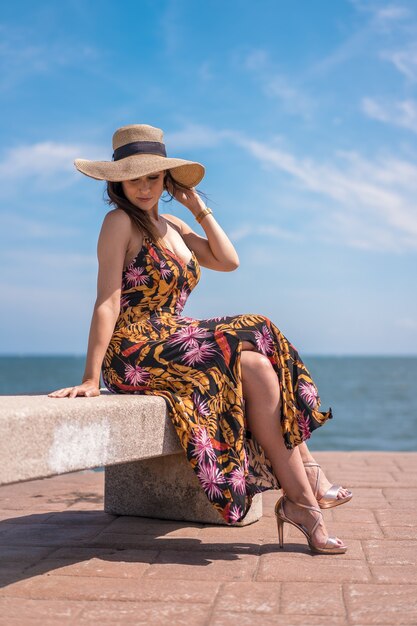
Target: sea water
pixel 373 398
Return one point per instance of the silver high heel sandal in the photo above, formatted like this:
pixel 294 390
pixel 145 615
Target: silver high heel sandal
pixel 329 499
pixel 331 547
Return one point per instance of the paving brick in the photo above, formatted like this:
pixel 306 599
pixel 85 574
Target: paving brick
pixel 149 542
pixel 27 611
pixel 49 587
pixel 368 498
pixel 368 477
pixel 148 526
pixel 349 513
pixel 399 532
pixel 124 564
pixel 405 479
pixel 144 613
pixel 252 536
pixel 13 516
pixel 312 599
pixel 398 495
pixel 50 535
pixel 74 517
pixel 390 552
pixel 67 551
pixel 202 566
pixel 248 619
pixel 381 604
pixel 251 597
pixel 22 554
pixel 314 568
pixel 393 517
pixel 11 573
pixel 407 461
pixel 394 573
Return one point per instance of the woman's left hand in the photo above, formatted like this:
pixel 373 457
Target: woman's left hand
pixel 188 197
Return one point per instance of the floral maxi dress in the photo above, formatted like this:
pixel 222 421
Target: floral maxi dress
pixel 195 365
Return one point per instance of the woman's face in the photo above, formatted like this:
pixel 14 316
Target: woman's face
pixel 145 191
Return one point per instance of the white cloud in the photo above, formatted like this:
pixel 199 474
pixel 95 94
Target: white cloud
pixel 45 161
pixel 251 231
pixel 383 14
pixel 351 47
pixel 194 136
pixel 391 13
pixel 405 60
pixel 403 114
pixel 372 202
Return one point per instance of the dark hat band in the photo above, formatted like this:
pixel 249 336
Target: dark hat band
pixel 139 147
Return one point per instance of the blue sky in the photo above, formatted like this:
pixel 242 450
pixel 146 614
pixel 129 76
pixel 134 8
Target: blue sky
pixel 305 116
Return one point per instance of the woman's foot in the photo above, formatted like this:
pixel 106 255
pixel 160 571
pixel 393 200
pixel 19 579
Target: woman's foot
pixel 308 519
pixel 326 494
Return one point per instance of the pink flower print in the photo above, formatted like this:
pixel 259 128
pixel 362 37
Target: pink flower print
pixel 188 336
pixel 136 375
pixel 210 478
pixel 304 425
pixel 124 302
pixel 202 445
pixel 165 269
pixel 235 513
pixel 182 299
pixel 238 481
pixel 200 353
pixel 200 404
pixel 264 340
pixel 309 393
pixel 136 276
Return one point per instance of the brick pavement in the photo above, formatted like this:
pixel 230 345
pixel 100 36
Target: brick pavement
pixel 64 561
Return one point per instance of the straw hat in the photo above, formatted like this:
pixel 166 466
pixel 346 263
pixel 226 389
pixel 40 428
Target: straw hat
pixel 138 150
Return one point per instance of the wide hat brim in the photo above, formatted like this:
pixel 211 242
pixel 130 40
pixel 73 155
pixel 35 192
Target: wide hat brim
pixel 187 173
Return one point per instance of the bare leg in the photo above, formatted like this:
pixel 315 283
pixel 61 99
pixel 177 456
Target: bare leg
pixel 324 484
pixel 262 408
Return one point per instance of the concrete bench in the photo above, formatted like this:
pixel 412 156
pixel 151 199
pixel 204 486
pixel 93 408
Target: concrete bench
pixel 132 437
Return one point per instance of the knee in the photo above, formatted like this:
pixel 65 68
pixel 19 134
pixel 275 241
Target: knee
pixel 256 364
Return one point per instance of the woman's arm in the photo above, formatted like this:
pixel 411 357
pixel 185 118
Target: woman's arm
pixel 215 251
pixel 112 245
pixel 101 329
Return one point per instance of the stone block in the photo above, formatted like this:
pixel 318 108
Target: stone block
pixel 164 488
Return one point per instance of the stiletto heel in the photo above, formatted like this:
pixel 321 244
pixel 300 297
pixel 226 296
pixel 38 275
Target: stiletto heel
pixel 331 547
pixel 280 525
pixel 329 499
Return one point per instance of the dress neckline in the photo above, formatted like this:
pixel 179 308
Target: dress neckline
pixel 148 241
pixel 175 256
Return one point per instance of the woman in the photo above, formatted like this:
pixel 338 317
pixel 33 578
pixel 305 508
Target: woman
pixel 241 399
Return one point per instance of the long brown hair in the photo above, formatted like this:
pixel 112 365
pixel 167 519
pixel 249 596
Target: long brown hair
pixel 116 197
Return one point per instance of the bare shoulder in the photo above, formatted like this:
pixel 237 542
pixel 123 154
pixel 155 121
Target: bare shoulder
pixel 115 233
pixel 118 216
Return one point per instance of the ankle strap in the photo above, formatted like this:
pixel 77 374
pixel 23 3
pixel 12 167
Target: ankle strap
pixel 311 508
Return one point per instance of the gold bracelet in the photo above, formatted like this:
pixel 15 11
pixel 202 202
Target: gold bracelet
pixel 203 213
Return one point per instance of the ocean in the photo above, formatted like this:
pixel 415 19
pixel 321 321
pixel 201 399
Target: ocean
pixel 373 398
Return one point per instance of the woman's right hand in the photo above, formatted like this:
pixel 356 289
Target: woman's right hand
pixel 87 388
